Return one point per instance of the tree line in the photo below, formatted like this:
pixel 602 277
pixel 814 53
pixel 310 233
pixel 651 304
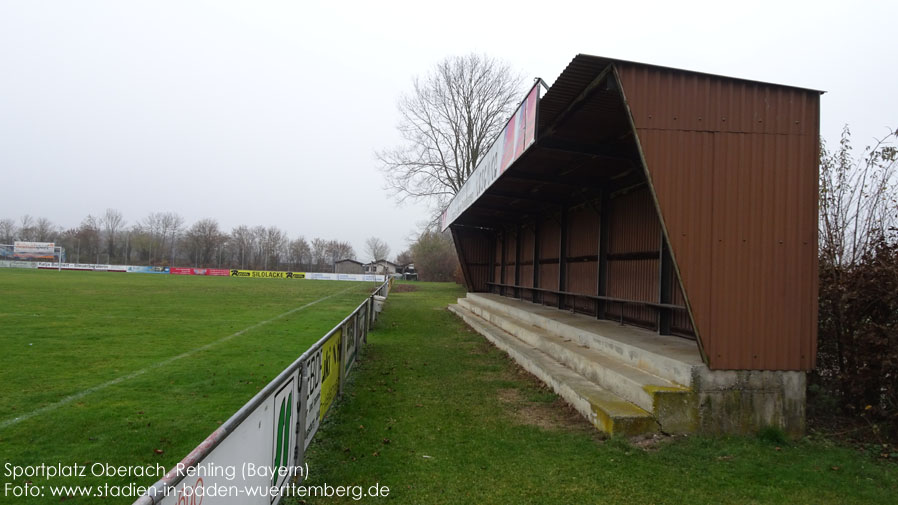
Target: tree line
pixel 164 239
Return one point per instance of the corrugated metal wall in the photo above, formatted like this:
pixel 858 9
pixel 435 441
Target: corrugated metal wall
pixel 582 256
pixel 549 250
pixel 634 247
pixel 474 249
pixel 527 239
pixel 733 166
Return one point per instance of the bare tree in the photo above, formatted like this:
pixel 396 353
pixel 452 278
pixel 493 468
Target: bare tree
pixel 202 241
pixel 274 244
pixel 337 250
pixel 88 239
pixel 26 228
pixel 857 198
pixel 377 249
pixel 171 225
pixel 319 254
pixel 8 231
pixel 242 242
pixel 434 256
pixel 112 221
pixel 448 123
pixel 404 258
pixel 300 254
pixel 44 230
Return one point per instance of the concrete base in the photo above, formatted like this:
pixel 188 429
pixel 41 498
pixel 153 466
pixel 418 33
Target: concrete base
pixel 744 401
pixel 628 380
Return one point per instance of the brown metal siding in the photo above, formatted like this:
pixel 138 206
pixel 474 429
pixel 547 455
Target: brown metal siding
pixel 733 165
pixel 527 238
pixel 633 229
pixel 582 252
pixel 549 248
pixel 473 249
pixel 510 244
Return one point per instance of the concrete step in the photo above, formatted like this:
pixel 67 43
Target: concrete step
pixel 605 410
pixel 673 406
pixel 672 358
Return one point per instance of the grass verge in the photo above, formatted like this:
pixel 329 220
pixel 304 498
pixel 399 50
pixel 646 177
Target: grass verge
pixel 441 417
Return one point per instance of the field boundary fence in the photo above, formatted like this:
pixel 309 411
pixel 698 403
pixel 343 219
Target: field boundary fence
pixel 257 454
pixel 9 259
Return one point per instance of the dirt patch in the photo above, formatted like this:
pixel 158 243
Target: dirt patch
pixel 403 288
pixel 480 348
pixel 653 441
pixel 509 395
pixel 557 415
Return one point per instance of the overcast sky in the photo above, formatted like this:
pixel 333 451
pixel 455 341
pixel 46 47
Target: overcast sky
pixel 264 112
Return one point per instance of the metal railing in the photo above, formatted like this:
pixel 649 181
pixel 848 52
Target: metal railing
pixel 275 427
pixel 598 299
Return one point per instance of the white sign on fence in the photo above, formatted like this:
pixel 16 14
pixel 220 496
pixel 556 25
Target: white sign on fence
pixel 243 469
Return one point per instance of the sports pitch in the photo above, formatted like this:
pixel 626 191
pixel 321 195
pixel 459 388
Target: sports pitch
pixel 130 369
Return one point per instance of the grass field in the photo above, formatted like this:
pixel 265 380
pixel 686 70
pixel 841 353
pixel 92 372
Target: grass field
pixel 131 369
pixel 440 416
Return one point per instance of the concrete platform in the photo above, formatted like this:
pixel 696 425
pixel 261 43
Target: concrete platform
pixel 605 410
pixel 628 380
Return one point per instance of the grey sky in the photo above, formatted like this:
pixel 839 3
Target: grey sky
pixel 270 112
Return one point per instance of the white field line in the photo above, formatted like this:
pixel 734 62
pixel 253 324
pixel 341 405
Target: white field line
pixel 117 380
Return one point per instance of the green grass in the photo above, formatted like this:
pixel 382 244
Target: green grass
pixel 64 332
pixel 440 417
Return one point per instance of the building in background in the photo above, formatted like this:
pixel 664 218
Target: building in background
pixel 348 266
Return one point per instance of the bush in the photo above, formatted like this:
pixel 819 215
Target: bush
pixel 857 359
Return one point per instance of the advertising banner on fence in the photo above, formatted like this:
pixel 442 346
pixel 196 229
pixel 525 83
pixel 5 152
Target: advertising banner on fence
pixel 350 336
pixel 313 399
pixel 96 267
pixel 221 272
pixel 250 462
pixel 146 270
pixel 266 274
pixel 345 277
pixel 330 371
pixel 518 135
pixel 17 264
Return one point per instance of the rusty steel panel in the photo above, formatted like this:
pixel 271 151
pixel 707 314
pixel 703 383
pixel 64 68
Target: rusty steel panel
pixel 733 166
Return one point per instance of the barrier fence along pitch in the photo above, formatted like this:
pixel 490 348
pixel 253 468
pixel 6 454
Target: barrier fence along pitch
pixel 272 430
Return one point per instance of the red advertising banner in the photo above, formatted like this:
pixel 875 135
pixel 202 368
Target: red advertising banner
pixel 180 271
